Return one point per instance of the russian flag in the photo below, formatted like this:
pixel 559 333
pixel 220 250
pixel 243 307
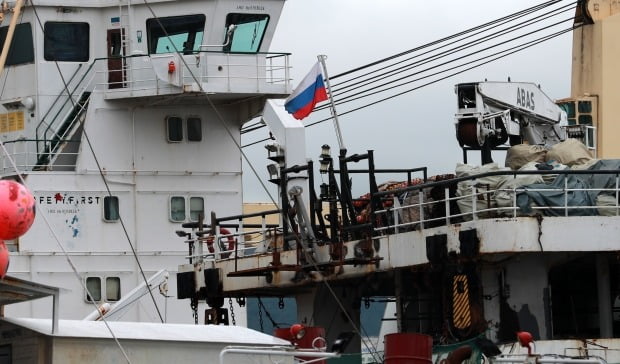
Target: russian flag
pixel 308 93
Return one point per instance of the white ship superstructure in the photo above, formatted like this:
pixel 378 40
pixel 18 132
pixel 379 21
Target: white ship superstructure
pixel 124 120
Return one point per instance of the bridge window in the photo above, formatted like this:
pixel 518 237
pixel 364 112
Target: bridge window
pixel 248 32
pixel 175 33
pixel 24 53
pixel 110 208
pixel 66 42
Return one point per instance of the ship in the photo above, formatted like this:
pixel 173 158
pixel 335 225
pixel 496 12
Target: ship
pixel 490 258
pixel 124 120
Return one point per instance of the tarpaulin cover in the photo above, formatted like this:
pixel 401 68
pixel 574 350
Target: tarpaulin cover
pixel 552 195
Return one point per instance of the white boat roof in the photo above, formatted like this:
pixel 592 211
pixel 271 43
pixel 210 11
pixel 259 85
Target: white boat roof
pixel 150 331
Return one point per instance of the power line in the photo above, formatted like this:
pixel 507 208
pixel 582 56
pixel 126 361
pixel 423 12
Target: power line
pixel 367 93
pixel 359 94
pixel 519 13
pixel 337 91
pixel 449 75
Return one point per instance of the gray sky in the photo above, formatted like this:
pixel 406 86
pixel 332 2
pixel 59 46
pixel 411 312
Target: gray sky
pixel 415 129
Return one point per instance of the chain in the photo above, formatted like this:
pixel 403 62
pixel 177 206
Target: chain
pixel 194 306
pixel 260 315
pixel 232 311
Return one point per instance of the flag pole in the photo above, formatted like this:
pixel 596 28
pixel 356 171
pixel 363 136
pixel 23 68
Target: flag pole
pixel 332 107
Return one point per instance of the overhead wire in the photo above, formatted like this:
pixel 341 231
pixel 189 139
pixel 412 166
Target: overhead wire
pixel 515 17
pixel 365 82
pixel 522 47
pixel 516 14
pixel 366 93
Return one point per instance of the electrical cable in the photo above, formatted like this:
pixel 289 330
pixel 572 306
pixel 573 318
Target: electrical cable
pixel 448 76
pixel 367 93
pixel 365 82
pixel 547 15
pixel 518 13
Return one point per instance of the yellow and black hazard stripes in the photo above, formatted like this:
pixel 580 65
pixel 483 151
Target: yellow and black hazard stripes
pixel 461 310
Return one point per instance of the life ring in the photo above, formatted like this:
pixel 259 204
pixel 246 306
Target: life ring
pixel 231 241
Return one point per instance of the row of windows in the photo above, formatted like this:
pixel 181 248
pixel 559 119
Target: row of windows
pixel 181 208
pixel 175 130
pixel 70 41
pixel 106 289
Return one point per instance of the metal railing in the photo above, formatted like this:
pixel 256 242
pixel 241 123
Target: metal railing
pixel 465 199
pixel 231 237
pixel 23 153
pixel 214 71
pixel 217 72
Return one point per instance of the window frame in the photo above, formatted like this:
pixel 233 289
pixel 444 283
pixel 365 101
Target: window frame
pixel 107 291
pixel 170 211
pixel 105 208
pixel 22 31
pixel 235 18
pixel 90 292
pixel 198 130
pixel 189 207
pixel 103 288
pixel 81 51
pixel 154 32
pixel 168 126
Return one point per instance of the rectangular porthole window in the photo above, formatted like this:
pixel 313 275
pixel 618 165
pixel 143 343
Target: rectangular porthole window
pixel 174 126
pixel 194 129
pixel 93 284
pixel 196 207
pixel 177 208
pixel 111 208
pixel 112 289
pixel 66 42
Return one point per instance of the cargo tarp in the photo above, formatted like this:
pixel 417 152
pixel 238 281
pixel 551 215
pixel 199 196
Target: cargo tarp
pixel 552 195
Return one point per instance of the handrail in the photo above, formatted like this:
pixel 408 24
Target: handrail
pixel 485 203
pixel 494 173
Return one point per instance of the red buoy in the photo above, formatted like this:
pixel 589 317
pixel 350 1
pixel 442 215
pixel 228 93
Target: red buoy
pixel 17 210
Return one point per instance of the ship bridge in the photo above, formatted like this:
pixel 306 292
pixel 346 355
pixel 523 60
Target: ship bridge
pixel 71 57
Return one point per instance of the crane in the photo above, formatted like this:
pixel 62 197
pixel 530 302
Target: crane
pixel 493 114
